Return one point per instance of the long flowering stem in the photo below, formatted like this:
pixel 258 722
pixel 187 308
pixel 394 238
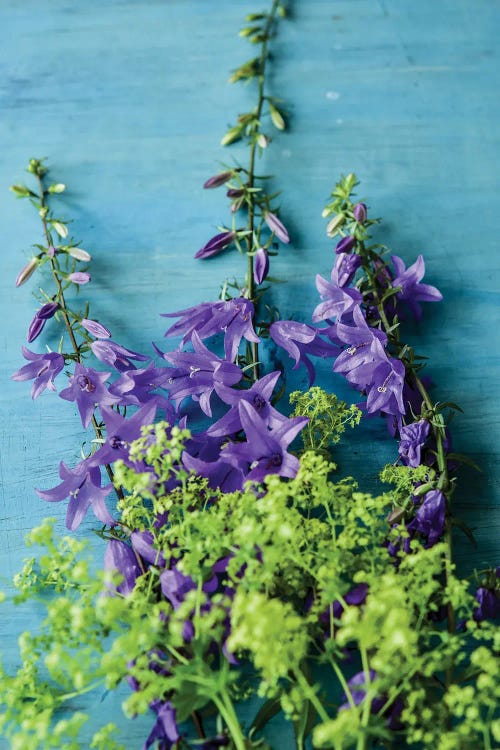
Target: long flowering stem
pixel 63 309
pixel 251 174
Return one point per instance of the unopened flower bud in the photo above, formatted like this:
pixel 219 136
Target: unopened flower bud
pixel 96 329
pixel 345 245
pixel 47 310
pixel 61 229
pixel 217 180
pixel 276 226
pixel 215 245
pixel 79 254
pixel 334 224
pixel 263 140
pixel 261 265
pixel 27 271
pixel 35 328
pixel 59 187
pixel 359 212
pixel 79 277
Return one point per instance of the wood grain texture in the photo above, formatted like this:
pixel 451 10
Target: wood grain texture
pixel 129 100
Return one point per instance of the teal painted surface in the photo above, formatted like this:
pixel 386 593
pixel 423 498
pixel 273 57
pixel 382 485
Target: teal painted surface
pixel 129 101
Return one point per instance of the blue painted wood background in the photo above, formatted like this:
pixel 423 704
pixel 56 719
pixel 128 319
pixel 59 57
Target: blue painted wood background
pixel 129 100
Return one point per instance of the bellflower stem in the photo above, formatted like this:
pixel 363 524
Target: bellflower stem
pixel 64 312
pixel 251 173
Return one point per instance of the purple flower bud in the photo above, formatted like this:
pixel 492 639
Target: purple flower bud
pixel 235 193
pixel 79 277
pixel 277 227
pixel 119 556
pixel 215 245
pixel 345 245
pixel 489 605
pixel 217 180
pixel 261 265
pixel 51 251
pixel 35 328
pixel 359 212
pixel 47 310
pixel 346 266
pixel 96 329
pixel 26 272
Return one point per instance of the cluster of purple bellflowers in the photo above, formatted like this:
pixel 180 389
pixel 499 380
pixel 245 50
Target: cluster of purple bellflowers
pixel 210 385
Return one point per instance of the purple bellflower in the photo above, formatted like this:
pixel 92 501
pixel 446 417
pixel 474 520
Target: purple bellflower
pixel 412 438
pixel 258 396
pixel 221 475
pixel 411 291
pixel 261 265
pixel 196 373
pixel 83 487
pixel 301 341
pixel 265 451
pixel 338 301
pixel 430 517
pixel 134 387
pixel 120 557
pixel 164 734
pixel 277 227
pixel 234 317
pixel 42 369
pixel 116 355
pixel 120 432
pixel 215 245
pixel 364 353
pixel 386 388
pixel 87 388
pixel 143 544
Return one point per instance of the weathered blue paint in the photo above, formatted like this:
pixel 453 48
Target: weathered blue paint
pixel 129 100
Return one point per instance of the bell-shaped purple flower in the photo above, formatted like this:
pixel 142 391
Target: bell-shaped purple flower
pixel 337 300
pixel 386 388
pixel 411 290
pixel 215 245
pixel 135 387
pixel 277 227
pixel 364 353
pixel 165 733
pixel 83 487
pixel 412 438
pixel 430 517
pixel 87 388
pixel 261 265
pixel 301 341
pixel 120 557
pixel 42 369
pixel 116 355
pixel 143 544
pixel 258 396
pixel 220 474
pixel 233 317
pixel 196 373
pixel 265 451
pixel 120 432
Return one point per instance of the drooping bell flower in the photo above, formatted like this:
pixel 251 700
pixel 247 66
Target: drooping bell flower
pixel 42 369
pixel 412 438
pixel 119 556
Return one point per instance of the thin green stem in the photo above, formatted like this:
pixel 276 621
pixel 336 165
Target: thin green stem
pixel 226 710
pixel 64 312
pixel 251 173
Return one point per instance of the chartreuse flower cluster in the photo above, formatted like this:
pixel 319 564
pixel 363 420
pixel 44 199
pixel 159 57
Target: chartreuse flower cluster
pixel 235 566
pixel 284 590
